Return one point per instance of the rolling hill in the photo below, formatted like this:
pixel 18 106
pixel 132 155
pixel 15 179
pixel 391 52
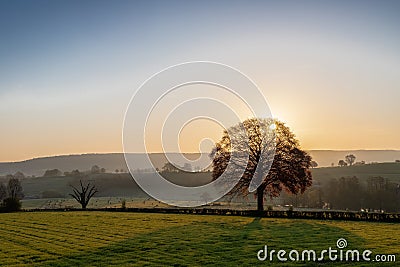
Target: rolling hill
pixel 390 171
pixel 84 162
pixel 115 161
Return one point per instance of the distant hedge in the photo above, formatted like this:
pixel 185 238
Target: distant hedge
pixel 318 215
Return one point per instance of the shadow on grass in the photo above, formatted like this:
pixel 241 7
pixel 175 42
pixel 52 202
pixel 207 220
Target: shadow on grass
pixel 212 244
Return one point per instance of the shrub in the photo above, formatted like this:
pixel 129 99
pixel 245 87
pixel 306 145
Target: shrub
pixel 11 204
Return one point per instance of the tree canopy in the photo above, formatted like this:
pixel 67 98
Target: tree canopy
pixel 274 157
pixel 350 159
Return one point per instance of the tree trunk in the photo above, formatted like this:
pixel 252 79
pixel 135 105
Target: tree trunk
pixel 260 198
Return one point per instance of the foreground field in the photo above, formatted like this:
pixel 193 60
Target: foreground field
pixel 113 238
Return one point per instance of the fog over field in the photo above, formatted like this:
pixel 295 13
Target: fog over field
pixel 114 161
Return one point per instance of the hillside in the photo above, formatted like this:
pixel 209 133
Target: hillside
pixel 108 184
pixel 84 162
pixel 363 172
pixel 114 161
pixel 326 157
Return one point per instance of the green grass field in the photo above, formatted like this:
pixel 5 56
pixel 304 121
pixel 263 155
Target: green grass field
pixel 113 238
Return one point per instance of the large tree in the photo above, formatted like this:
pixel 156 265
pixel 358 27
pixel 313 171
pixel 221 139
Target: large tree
pixel 14 189
pixel 288 166
pixel 350 159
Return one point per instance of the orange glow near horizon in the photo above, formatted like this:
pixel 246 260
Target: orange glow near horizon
pixel 329 70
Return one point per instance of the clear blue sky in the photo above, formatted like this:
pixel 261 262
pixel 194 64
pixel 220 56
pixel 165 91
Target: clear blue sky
pixel 330 69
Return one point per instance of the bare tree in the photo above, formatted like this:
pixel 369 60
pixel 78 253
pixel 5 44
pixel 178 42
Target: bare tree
pixel 3 192
pixel 85 193
pixel 14 189
pixel 350 159
pixel 289 165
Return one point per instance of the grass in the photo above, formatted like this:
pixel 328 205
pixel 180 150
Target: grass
pixel 112 238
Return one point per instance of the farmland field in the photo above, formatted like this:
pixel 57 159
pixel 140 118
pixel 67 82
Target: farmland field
pixel 122 238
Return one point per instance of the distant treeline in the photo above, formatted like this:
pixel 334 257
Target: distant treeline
pixel 349 193
pixel 319 215
pixel 370 194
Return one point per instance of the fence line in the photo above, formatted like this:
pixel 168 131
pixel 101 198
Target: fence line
pixel 318 215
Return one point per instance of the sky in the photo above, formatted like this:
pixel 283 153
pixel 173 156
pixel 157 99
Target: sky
pixel 68 69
